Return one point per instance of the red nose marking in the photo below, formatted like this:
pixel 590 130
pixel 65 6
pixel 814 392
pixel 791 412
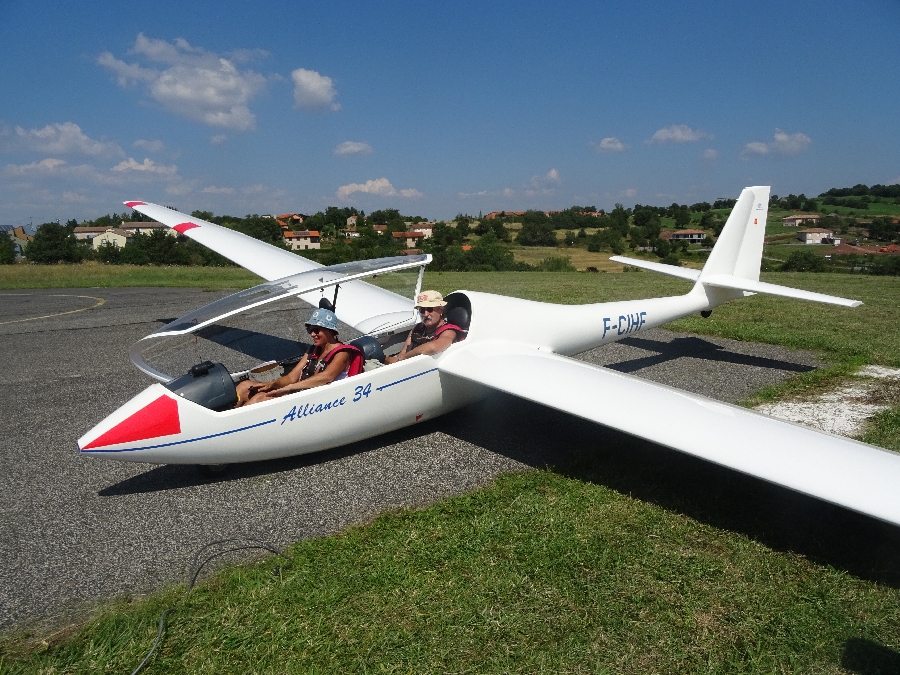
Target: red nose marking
pixel 131 205
pixel 156 419
pixel 184 227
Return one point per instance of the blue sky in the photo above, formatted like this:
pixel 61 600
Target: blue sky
pixel 438 108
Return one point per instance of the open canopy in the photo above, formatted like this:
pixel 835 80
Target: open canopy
pixel 366 307
pixel 304 284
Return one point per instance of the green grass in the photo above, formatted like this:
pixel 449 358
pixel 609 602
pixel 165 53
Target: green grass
pixel 537 573
pixel 97 275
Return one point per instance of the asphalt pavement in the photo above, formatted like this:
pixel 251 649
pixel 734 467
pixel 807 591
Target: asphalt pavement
pixel 77 530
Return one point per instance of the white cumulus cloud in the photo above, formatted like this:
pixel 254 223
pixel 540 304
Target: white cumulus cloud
pixel 543 185
pixel 782 143
pixel 313 91
pixel 610 144
pixel 148 166
pixel 58 139
pixel 191 82
pixel 710 155
pixel 348 148
pixel 380 186
pixel 213 190
pixel 677 133
pixel 44 166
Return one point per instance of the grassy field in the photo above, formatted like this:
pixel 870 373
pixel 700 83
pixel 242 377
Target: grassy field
pixel 627 560
pixel 540 572
pixel 97 275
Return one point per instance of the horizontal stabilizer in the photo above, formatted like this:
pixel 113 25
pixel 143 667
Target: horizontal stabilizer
pixel 838 470
pixel 672 270
pixel 728 281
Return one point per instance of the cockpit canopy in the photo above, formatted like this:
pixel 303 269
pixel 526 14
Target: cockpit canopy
pixel 265 323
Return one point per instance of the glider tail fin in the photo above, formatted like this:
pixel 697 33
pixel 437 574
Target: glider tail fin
pixel 735 260
pixel 738 251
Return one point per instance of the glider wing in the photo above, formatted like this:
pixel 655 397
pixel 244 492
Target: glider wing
pixel 848 473
pixel 361 305
pixel 261 258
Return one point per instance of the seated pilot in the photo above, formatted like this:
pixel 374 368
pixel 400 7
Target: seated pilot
pixel 433 334
pixel 327 360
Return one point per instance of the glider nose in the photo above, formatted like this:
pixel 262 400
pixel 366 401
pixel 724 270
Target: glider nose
pixel 144 417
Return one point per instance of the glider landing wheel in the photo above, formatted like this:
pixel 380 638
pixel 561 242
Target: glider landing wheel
pixel 213 471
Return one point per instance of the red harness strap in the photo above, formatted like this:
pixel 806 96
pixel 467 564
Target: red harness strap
pixel 357 359
pixel 460 333
pixel 313 365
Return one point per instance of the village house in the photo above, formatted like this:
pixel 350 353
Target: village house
pixel 412 238
pixel 351 232
pixel 116 236
pixel 801 219
pixel 21 239
pixel 692 236
pixel 89 233
pixel 379 229
pixel 425 228
pixel 506 214
pixel 351 221
pixel 814 235
pixel 289 221
pixel 298 240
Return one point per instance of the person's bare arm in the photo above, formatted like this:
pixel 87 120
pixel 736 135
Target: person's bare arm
pixel 338 364
pixel 436 346
pixel 396 357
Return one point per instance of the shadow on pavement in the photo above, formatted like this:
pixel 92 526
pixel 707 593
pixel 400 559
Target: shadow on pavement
pixel 696 348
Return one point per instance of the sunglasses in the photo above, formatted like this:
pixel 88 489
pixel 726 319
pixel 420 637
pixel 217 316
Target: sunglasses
pixel 314 329
pixel 426 310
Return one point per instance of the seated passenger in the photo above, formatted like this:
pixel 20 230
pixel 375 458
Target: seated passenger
pixel 327 360
pixel 433 334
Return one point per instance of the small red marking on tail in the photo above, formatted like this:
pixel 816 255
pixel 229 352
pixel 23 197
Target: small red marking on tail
pixel 184 227
pixel 156 419
pixel 418 417
pixel 131 205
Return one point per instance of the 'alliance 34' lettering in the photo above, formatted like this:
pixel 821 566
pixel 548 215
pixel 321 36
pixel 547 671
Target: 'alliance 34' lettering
pixel 299 412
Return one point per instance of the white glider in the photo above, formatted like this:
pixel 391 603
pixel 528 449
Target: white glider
pixel 189 419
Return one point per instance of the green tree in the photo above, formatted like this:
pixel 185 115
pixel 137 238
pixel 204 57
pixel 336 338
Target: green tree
pixel 556 263
pixel 7 249
pixel 804 261
pixel 109 253
pixel 264 229
pixel 53 243
pixel 619 219
pixel 537 230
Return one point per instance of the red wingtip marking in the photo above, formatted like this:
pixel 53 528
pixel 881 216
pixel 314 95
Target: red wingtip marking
pixel 184 227
pixel 156 419
pixel 131 205
pixel 418 417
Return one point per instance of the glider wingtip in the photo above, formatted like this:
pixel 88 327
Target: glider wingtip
pixel 131 205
